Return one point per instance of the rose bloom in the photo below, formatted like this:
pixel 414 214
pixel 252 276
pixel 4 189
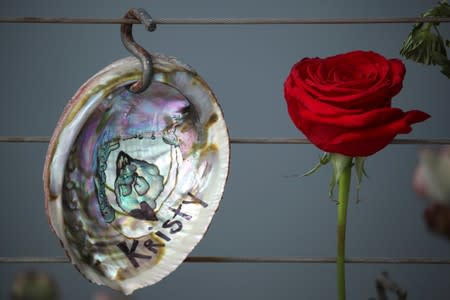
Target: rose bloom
pixel 343 103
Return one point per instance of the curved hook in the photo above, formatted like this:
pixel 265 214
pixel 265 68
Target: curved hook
pixel 138 51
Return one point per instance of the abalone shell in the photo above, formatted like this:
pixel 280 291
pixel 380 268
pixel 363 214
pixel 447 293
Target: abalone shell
pixel 132 181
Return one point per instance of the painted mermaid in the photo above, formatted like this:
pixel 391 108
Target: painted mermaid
pixel 137 186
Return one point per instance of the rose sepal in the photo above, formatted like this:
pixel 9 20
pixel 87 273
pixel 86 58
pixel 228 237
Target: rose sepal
pixel 324 160
pixel 360 173
pixel 339 163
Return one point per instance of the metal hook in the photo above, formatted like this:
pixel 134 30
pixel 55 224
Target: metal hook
pixel 138 51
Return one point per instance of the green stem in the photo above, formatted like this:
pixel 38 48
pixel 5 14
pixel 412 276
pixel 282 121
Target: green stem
pixel 344 187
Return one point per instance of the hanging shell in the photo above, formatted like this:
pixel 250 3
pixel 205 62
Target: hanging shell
pixel 132 181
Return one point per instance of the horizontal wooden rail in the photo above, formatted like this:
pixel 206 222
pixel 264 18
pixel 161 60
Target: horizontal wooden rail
pixel 241 259
pixel 224 21
pixel 238 140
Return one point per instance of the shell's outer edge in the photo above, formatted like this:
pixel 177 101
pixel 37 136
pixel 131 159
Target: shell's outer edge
pixel 162 64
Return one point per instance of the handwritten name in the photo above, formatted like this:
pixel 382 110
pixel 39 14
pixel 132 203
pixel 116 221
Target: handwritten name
pixel 150 247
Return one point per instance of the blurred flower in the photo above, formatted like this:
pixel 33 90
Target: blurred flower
pixel 34 285
pixel 432 176
pixel 432 180
pixel 437 217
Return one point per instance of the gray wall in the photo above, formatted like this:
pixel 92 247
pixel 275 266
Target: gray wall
pixel 262 213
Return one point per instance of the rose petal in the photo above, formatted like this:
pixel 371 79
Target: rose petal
pixel 364 142
pixel 372 118
pixel 297 94
pixel 385 79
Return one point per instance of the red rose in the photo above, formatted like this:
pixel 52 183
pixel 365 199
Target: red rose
pixel 343 103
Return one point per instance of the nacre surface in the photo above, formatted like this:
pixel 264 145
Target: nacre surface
pixel 132 181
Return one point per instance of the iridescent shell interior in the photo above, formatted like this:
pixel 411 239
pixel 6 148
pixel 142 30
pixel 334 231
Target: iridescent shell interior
pixel 132 181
